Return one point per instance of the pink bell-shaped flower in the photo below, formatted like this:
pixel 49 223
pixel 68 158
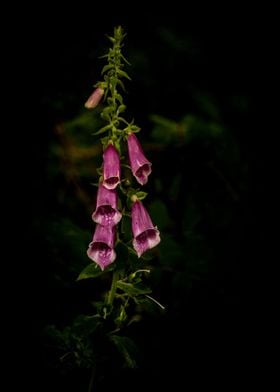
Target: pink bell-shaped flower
pixel 106 212
pixel 101 249
pixel 146 235
pixel 111 167
pixel 140 166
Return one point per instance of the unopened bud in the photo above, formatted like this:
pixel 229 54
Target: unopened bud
pixel 95 98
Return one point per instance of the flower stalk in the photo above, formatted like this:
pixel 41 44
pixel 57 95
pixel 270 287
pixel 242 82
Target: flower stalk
pixel 116 196
pixel 119 131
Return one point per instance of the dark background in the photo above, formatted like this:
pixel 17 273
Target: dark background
pixel 181 63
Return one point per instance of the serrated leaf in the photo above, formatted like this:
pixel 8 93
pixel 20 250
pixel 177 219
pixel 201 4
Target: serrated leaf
pixel 91 271
pixel 133 290
pixel 126 348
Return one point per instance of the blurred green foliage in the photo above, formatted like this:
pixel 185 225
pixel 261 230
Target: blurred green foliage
pixel 194 131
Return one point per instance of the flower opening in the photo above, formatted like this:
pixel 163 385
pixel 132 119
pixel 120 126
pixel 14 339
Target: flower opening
pixel 101 249
pixel 106 212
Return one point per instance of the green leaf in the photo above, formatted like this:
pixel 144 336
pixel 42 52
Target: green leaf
pixel 133 290
pixel 113 82
pixel 126 348
pixel 104 56
pixel 103 129
pixel 119 98
pixel 125 60
pixel 121 108
pixel 141 195
pixel 112 39
pixel 106 68
pixel 107 112
pixel 104 141
pixel 91 271
pixel 134 129
pixel 121 84
pixel 123 74
pixel 122 316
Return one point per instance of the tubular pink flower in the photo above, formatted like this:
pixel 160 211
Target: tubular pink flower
pixel 94 98
pixel 146 235
pixel 101 249
pixel 106 212
pixel 140 166
pixel 111 167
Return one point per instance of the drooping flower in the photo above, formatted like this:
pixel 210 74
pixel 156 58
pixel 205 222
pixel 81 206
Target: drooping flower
pixel 106 212
pixel 94 98
pixel 101 249
pixel 111 167
pixel 140 166
pixel 146 235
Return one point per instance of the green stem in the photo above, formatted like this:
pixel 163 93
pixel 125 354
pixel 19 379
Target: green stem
pixel 113 288
pixel 91 381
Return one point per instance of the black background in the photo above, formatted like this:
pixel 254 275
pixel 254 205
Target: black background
pixel 57 62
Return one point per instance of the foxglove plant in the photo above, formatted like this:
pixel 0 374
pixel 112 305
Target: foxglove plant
pixel 117 246
pixel 123 230
pixel 119 132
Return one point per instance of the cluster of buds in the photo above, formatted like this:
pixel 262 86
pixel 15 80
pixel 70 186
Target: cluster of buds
pixel 106 214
